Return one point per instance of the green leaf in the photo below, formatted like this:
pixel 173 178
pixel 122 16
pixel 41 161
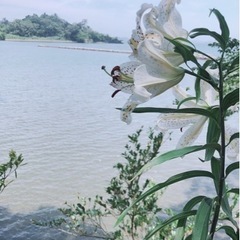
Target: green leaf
pixel 231 99
pixel 185 48
pixel 234 136
pixel 226 207
pixel 205 32
pixel 213 134
pixel 198 79
pixel 185 100
pixel 200 111
pixel 233 190
pixel 216 168
pixel 205 74
pixel 223 25
pixel 180 231
pixel 177 153
pixel 230 232
pixel 189 237
pixel 182 215
pixel 216 171
pixel 232 167
pixel 176 178
pixel 197 87
pixel 200 230
pixel 234 66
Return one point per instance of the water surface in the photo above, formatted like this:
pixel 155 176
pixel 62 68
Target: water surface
pixel 57 110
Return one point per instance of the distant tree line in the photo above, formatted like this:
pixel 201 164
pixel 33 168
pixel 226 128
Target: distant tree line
pixel 46 26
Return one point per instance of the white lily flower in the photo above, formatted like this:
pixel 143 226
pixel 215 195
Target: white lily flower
pixel 162 21
pixel 194 122
pixel 156 65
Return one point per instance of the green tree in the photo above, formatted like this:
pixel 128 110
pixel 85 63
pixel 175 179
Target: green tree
pixel 53 26
pixel 2 36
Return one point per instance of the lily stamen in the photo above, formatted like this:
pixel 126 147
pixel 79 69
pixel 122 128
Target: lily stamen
pixel 115 92
pixel 104 69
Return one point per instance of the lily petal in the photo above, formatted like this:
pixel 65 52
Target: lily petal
pixel 176 120
pixel 163 63
pixel 125 71
pixel 208 93
pixel 181 94
pixel 137 34
pixel 128 107
pixel 123 76
pixel 166 19
pixel 153 83
pixel 123 86
pixel 173 26
pixel 192 133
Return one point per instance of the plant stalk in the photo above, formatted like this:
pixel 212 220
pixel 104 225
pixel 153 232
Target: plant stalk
pixel 222 155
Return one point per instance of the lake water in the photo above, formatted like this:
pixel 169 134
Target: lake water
pixel 57 110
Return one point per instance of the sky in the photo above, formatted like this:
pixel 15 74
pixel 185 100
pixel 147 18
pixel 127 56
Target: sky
pixel 117 17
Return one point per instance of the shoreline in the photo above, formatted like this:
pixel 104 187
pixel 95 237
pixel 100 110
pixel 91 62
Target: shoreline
pixel 87 49
pixel 37 40
pixel 50 41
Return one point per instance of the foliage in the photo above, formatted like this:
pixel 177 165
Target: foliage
pixel 9 168
pixel 88 216
pixel 2 36
pixel 48 26
pixel 231 55
pixel 207 210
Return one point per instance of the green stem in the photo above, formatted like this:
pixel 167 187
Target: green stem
pixel 201 77
pixel 206 55
pixel 222 157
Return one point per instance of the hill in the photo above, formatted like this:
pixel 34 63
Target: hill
pixel 52 26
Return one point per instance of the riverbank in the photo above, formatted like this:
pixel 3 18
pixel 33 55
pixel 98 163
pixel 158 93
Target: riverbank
pixel 86 49
pixel 38 40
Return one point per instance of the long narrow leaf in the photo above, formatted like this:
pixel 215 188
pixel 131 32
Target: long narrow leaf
pixel 213 134
pixel 174 179
pixel 198 80
pixel 231 99
pixel 197 87
pixel 177 153
pixel 185 100
pixel 216 168
pixel 205 32
pixel 227 208
pixel 199 111
pixel 232 167
pixel 200 230
pixel 230 232
pixel 223 25
pixel 189 237
pixel 182 215
pixel 234 136
pixel 185 48
pixel 233 190
pixel 180 231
